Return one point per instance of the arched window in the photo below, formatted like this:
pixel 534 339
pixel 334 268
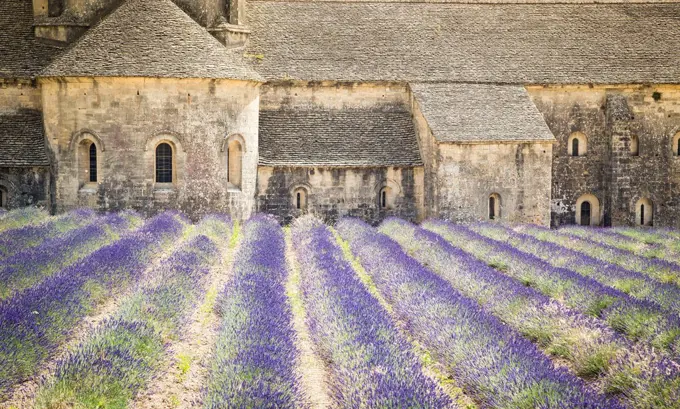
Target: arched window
pixel 588 210
pixel 494 206
pixel 164 163
pixel 634 145
pixel 585 213
pixel 87 163
pixel 234 163
pixel 3 197
pixel 676 144
pixel 577 144
pixel 300 198
pixel 644 213
pixel 93 162
pixel 385 198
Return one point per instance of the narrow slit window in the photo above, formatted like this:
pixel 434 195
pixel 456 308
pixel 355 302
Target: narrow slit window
pixel 164 163
pixel 585 213
pixel 93 162
pixel 642 215
pixel 300 199
pixel 494 206
pixel 2 198
pixel 383 198
pixel 574 147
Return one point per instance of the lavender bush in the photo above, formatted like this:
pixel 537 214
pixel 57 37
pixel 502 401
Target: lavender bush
pixel 370 362
pixel 34 264
pixel 34 322
pixel 495 364
pixel 254 360
pixel 592 349
pixel 660 270
pixel 639 320
pixel 13 241
pixel 664 237
pixel 122 354
pixel 22 217
pixel 633 283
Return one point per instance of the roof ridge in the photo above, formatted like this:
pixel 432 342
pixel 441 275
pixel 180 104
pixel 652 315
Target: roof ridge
pixel 150 38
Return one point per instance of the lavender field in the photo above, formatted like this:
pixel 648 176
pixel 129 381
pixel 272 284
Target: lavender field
pixel 119 311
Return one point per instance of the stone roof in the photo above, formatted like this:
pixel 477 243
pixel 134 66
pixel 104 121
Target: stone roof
pixel 150 38
pixel 381 136
pixel 446 42
pixel 21 56
pixel 22 139
pixel 480 112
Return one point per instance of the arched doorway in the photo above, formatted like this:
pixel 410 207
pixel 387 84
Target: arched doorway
pixel 588 210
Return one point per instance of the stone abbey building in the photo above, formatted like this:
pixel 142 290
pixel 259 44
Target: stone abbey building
pixel 533 111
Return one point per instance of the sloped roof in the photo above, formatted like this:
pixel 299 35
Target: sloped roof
pixel 480 112
pixel 445 42
pixel 21 56
pixel 381 136
pixel 150 38
pixel 22 139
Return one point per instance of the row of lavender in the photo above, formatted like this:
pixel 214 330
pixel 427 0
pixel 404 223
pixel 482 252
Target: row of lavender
pixel 597 243
pixel 639 320
pixel 371 364
pixel 35 321
pixel 255 355
pixel 121 355
pixel 34 253
pixel 632 371
pixel 495 364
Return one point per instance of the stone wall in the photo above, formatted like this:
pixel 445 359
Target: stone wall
pixel 609 117
pixel 468 174
pixel 128 117
pixel 25 187
pixel 15 95
pixel 337 192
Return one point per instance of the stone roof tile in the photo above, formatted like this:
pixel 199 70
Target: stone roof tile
pixel 445 42
pixel 21 56
pixel 150 38
pixel 381 136
pixel 22 139
pixel 480 113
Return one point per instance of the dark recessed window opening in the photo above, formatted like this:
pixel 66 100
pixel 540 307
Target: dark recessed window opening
pixel 93 162
pixel 492 208
pixel 164 163
pixel 585 214
pixel 574 147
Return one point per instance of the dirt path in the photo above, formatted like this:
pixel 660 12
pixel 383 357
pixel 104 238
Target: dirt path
pixel 311 369
pixel 430 368
pixel 186 366
pixel 24 394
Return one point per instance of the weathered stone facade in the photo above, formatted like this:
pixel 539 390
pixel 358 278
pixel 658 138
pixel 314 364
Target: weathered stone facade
pixel 609 117
pixel 127 118
pixel 343 109
pixel 332 193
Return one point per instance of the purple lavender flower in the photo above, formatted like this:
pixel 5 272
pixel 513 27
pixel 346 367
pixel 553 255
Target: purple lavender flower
pixel 494 363
pixel 121 355
pixel 35 321
pixel 638 319
pixel 657 269
pixel 255 355
pixel 371 363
